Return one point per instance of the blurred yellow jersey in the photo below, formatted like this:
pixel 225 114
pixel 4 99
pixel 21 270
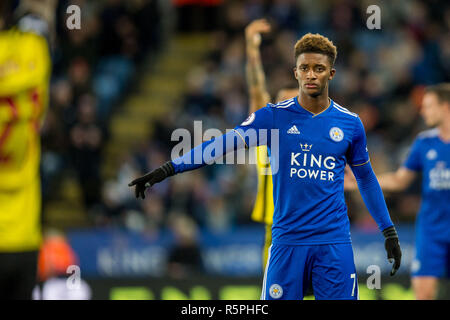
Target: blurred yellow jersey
pixel 24 80
pixel 263 209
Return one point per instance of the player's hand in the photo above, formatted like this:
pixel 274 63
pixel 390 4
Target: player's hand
pixel 253 32
pixel 151 178
pixel 392 246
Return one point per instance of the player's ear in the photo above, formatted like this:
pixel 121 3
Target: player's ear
pixel 295 72
pixel 332 73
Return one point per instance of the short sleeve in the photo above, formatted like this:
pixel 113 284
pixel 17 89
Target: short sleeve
pixel 358 153
pixel 256 129
pixel 414 160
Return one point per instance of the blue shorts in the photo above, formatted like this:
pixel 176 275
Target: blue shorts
pixel 329 268
pixel 432 258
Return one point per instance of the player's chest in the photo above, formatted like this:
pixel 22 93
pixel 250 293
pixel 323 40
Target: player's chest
pixel 436 159
pixel 321 136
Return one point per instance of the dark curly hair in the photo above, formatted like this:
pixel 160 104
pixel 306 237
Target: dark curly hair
pixel 316 43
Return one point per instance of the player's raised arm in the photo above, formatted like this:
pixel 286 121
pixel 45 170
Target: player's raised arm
pixel 372 194
pixel 256 80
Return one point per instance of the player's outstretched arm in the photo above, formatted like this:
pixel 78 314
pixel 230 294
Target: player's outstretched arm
pixel 204 154
pixel 243 136
pixel 373 198
pixel 397 181
pixel 256 80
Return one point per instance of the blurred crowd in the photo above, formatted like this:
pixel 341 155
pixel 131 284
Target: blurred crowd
pixel 92 68
pixel 380 75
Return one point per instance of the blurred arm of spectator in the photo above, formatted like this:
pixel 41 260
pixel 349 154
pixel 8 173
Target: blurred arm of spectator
pixel 256 79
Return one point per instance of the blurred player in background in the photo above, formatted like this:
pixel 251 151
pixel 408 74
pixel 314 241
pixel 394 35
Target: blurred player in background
pixel 311 242
pixel 25 69
pixel 430 155
pixel 259 96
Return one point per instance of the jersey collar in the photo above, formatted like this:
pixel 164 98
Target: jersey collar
pixel 313 115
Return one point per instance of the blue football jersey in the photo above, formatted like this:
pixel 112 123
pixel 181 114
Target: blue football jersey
pixel 308 158
pixel 430 155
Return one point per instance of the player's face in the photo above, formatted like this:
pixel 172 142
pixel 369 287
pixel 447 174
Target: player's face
pixel 313 71
pixel 285 94
pixel 432 109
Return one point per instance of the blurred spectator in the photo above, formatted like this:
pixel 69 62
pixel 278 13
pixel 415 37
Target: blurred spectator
pixel 91 69
pixel 56 258
pixel 86 140
pixel 197 15
pixel 184 258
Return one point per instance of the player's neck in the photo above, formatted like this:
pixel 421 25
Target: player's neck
pixel 314 104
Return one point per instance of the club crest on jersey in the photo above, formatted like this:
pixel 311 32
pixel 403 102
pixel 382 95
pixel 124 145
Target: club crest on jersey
pixel 336 134
pixel 249 120
pixel 276 291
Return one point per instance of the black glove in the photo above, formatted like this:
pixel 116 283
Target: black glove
pixel 148 180
pixel 392 246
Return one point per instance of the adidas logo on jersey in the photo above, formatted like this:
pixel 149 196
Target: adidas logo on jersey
pixel 293 130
